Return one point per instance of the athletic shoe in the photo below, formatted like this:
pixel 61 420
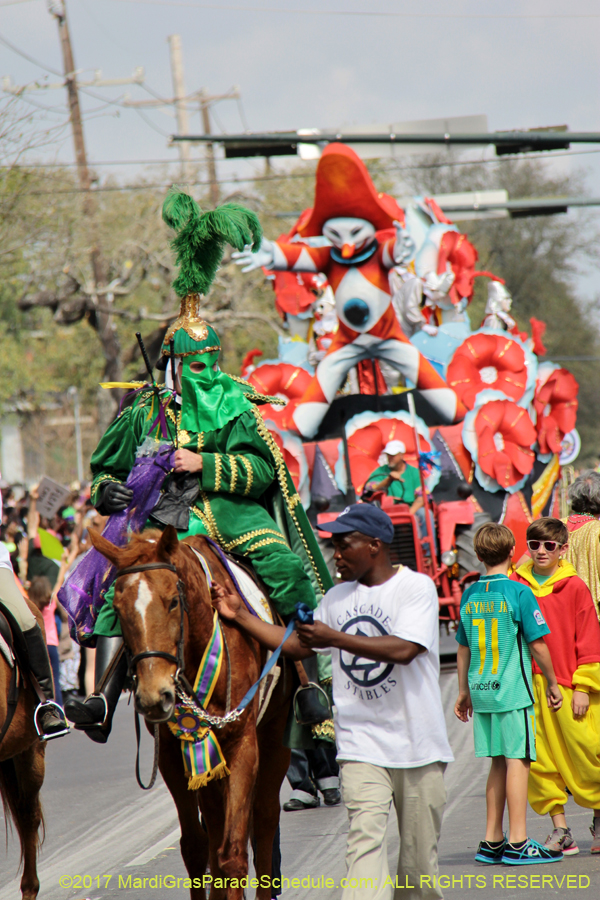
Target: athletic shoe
pixel 490 854
pixel 529 853
pixel 595 848
pixel 562 839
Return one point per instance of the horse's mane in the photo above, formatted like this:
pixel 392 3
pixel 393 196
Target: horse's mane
pixel 140 549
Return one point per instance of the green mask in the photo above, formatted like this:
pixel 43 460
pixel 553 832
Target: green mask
pixel 210 398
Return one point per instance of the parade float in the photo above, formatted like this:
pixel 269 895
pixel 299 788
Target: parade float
pixel 380 347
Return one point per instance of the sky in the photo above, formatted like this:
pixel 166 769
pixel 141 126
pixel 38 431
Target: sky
pixel 314 63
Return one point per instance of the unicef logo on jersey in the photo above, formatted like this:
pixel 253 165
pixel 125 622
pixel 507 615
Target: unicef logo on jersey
pixel 364 673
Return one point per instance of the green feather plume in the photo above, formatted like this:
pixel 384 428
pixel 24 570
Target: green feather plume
pixel 201 238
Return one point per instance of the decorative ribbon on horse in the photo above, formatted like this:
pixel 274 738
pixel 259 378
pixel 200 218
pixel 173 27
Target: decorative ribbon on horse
pixel 203 759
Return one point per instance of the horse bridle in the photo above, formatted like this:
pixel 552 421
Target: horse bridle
pixel 183 608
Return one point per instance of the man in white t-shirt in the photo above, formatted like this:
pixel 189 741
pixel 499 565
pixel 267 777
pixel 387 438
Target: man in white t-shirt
pixel 381 625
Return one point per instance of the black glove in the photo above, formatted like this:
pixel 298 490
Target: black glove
pixel 113 497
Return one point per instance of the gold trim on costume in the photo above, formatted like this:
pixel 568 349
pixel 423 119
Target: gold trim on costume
pixel 218 471
pixel 193 352
pixel 234 473
pixel 252 534
pixel 101 479
pixel 292 500
pixel 249 474
pixel 277 401
pixel 265 542
pixel 200 442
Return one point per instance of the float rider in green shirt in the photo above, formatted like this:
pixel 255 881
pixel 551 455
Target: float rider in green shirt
pixel 230 482
pixel 397 479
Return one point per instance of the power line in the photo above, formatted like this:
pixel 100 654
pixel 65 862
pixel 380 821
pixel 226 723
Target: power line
pixel 188 4
pixel 29 58
pixel 397 167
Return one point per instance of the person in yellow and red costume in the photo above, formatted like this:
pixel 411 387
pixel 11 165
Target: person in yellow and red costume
pixel 568 753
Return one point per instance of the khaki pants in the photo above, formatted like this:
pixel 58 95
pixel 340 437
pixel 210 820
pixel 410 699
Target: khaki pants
pixel 419 796
pixel 14 601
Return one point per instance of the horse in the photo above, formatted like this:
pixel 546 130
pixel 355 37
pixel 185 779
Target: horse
pixel 159 619
pixel 22 765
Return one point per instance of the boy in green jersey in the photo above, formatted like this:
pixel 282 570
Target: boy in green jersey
pixel 501 628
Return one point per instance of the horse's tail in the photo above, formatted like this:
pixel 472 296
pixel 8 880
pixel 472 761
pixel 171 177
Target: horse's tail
pixel 16 806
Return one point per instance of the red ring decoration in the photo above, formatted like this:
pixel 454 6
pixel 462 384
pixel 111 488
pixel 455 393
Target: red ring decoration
pixel 479 355
pixel 505 434
pixel 283 380
pixel 555 403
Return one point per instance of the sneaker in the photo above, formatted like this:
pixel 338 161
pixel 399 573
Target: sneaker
pixel 595 848
pixel 529 853
pixel 490 853
pixel 562 839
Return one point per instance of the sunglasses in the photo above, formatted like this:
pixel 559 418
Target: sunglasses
pixel 550 546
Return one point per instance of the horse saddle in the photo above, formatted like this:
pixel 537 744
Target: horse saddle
pixel 12 643
pixel 6 641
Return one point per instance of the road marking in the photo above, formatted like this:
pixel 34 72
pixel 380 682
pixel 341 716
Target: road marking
pixel 155 849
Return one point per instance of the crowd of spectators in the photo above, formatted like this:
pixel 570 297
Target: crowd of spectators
pixel 41 551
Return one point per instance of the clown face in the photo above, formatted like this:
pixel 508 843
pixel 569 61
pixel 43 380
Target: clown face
pixel 349 235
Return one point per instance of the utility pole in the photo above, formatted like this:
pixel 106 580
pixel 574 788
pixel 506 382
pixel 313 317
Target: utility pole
pixel 181 110
pixel 74 393
pixel 102 322
pixel 205 102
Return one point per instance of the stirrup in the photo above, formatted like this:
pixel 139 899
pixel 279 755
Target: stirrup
pixel 50 704
pixel 88 725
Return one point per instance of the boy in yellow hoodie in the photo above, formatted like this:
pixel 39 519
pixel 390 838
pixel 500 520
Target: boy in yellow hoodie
pixel 568 755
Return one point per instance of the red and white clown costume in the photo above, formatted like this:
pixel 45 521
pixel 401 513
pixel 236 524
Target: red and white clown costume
pixel 359 223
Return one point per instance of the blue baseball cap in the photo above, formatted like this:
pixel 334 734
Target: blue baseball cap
pixel 362 517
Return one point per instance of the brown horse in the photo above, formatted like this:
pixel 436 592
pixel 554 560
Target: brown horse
pixel 149 607
pixel 22 768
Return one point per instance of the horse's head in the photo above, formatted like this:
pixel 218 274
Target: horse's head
pixel 148 604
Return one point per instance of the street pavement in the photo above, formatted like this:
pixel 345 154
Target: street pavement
pixel 101 825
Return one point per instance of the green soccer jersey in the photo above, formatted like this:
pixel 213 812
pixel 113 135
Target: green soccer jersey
pixel 498 619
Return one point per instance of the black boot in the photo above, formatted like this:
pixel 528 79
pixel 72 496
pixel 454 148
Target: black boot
pixel 96 714
pixel 50 719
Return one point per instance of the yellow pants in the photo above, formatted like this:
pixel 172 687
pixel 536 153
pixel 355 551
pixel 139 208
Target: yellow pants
pixel 568 754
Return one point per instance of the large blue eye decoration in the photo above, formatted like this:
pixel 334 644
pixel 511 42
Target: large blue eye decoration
pixel 356 311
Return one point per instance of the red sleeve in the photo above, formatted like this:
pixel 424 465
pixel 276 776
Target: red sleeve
pixel 587 627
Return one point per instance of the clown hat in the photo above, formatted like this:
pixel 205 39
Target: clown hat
pixel 344 188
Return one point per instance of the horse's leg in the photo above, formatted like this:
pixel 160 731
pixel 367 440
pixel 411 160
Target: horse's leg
pixel 274 763
pixel 238 794
pixel 193 842
pixel 22 778
pixel 212 806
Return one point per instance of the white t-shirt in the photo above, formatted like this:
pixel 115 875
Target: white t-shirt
pixel 388 715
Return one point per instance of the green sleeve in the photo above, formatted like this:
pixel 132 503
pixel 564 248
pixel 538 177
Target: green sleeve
pixel 113 458
pixel 246 468
pixel 377 476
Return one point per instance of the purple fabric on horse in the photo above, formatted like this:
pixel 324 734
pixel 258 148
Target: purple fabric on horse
pixel 85 587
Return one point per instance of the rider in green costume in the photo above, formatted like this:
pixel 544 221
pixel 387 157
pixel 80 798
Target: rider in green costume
pixel 230 481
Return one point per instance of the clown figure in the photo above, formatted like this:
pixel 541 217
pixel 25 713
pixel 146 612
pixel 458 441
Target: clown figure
pixel 367 239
